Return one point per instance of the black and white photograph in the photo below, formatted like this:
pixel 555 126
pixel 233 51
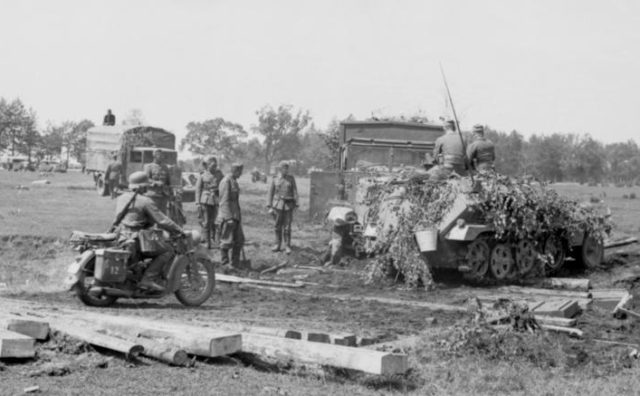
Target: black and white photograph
pixel 356 197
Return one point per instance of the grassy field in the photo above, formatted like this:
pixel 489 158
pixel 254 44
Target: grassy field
pixel 35 223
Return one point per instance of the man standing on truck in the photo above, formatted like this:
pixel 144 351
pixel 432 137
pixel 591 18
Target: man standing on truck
pixel 229 218
pixel 159 176
pixel 449 154
pixel 113 175
pixel 481 152
pixel 109 119
pixel 207 198
pixel 281 202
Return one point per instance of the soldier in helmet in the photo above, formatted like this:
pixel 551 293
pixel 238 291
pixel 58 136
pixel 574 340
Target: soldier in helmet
pixel 142 213
pixel 481 152
pixel 229 217
pixel 449 153
pixel 109 119
pixel 160 178
pixel 281 202
pixel 207 197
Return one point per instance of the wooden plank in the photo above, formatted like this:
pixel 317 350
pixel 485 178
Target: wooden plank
pixel 567 330
pixel 554 321
pixel 567 283
pixel 32 328
pixel 16 345
pixel 598 294
pixel 620 242
pixel 543 292
pixel 559 308
pixel 365 360
pixel 237 279
pixel 93 337
pixel 164 352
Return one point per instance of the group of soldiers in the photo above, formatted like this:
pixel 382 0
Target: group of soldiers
pixel 450 155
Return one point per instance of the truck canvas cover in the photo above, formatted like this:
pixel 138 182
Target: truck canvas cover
pixel 104 141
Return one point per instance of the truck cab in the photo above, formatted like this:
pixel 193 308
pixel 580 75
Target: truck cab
pixel 367 149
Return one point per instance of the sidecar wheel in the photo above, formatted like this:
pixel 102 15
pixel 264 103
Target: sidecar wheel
pixel 197 281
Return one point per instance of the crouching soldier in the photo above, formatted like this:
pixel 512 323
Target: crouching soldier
pixel 229 218
pixel 281 202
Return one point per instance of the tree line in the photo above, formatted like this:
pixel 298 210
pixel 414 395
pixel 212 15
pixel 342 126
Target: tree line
pixel 287 133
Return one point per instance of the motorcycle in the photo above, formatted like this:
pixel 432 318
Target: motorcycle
pixel 104 272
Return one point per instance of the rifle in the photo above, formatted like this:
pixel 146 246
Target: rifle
pixel 122 213
pixel 455 117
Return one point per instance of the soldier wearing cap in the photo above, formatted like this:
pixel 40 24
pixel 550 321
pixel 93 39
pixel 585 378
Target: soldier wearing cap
pixel 449 154
pixel 229 218
pixel 160 178
pixel 207 197
pixel 141 214
pixel 281 202
pixel 113 175
pixel 481 152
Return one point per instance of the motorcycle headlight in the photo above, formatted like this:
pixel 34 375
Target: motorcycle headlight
pixel 195 236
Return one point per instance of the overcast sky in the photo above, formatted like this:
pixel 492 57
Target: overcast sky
pixel 534 66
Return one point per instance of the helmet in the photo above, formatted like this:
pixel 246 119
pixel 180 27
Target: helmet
pixel 138 179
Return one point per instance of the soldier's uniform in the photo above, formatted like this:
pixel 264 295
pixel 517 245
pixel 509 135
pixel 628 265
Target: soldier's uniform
pixel 481 152
pixel 207 195
pixel 113 176
pixel 449 152
pixel 160 189
pixel 142 214
pixel 229 220
pixel 283 199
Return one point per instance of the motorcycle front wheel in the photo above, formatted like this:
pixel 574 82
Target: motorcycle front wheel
pixel 197 281
pixel 85 282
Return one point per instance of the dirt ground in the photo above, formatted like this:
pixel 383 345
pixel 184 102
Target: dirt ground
pixel 454 357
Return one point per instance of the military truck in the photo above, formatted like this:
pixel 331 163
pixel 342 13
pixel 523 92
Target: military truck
pixel 369 148
pixel 134 147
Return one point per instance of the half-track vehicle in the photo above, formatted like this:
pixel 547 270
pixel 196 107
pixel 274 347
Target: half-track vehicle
pixel 374 153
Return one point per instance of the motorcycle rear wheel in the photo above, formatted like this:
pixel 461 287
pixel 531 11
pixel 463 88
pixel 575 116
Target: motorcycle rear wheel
pixel 197 281
pixel 85 280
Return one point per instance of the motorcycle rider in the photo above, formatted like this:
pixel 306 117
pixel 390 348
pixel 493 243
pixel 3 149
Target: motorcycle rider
pixel 142 213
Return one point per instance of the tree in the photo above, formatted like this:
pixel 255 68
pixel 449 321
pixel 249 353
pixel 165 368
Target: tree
pixel 52 141
pixel 134 117
pixel 216 136
pixel 76 140
pixel 17 127
pixel 280 128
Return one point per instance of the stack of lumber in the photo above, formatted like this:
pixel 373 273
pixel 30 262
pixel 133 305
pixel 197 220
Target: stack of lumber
pixel 18 336
pixel 173 342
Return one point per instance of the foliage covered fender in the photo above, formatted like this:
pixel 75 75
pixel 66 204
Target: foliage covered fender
pixel 75 268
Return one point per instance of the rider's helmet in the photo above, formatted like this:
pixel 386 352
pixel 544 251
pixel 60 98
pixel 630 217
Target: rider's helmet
pixel 138 179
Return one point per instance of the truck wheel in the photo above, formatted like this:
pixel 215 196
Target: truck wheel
pixel 591 253
pixel 102 187
pixel 554 250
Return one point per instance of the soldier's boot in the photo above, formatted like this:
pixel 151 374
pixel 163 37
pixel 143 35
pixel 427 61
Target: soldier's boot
pixel 276 247
pixel 205 236
pixel 224 257
pixel 287 242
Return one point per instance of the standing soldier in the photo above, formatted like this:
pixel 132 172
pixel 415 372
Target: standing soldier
pixel 113 176
pixel 281 201
pixel 229 218
pixel 207 196
pixel 481 152
pixel 109 119
pixel 160 179
pixel 449 153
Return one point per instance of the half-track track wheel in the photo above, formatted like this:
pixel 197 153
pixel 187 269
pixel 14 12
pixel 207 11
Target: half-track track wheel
pixel 478 257
pixel 526 256
pixel 502 262
pixel 555 252
pixel 591 252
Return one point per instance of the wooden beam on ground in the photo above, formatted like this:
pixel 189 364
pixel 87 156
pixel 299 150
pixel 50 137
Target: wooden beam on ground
pixel 391 301
pixel 567 330
pixel 365 360
pixel 164 352
pixel 567 283
pixel 558 308
pixel 531 291
pixel 554 321
pixel 33 328
pixel 90 336
pixel 237 279
pixel 274 268
pixel 620 242
pixel 16 345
